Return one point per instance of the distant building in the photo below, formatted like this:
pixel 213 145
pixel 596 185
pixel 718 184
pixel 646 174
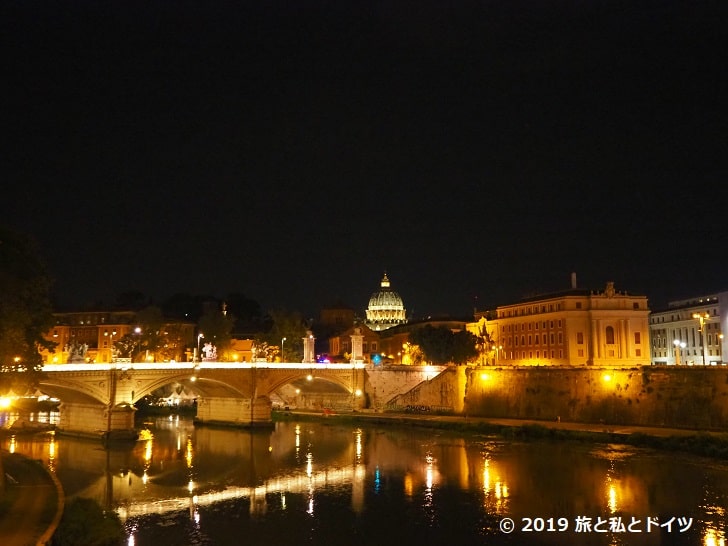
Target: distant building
pixel 92 336
pixel 340 346
pixel 386 308
pixel 575 327
pixel 337 316
pixel 690 331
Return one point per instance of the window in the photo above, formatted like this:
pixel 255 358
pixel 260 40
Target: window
pixel 578 305
pixel 637 338
pixel 580 352
pixel 638 352
pixel 610 336
pixel 374 346
pixel 580 339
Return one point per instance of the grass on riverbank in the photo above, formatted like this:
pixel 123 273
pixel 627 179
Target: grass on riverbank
pixel 700 443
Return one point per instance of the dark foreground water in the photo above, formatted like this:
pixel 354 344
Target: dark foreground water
pixel 324 484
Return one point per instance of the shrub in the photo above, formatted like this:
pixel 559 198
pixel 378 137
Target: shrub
pixel 85 522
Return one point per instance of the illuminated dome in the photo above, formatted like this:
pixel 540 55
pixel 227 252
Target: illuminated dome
pixel 386 308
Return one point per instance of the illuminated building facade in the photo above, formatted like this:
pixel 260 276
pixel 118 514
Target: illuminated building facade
pixel 90 336
pixel 386 308
pixel 690 332
pixel 575 327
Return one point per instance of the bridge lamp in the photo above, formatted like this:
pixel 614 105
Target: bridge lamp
pixel 199 337
pixel 282 342
pixel 309 377
pixel 357 392
pixel 138 332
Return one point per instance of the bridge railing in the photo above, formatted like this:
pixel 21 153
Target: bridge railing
pixel 197 365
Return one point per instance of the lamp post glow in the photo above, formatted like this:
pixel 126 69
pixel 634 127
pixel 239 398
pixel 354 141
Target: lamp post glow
pixel 111 343
pixel 282 341
pixel 138 332
pixel 199 337
pixel 678 345
pixel 702 319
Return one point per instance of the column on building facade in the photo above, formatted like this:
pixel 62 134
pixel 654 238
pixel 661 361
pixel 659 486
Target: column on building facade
pixel 623 341
pixel 594 340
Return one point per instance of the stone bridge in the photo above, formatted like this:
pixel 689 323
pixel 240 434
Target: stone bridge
pixel 98 399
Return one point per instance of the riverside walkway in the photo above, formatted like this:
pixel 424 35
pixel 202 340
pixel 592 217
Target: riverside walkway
pixel 459 420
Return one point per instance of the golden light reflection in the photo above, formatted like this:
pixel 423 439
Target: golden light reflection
pixel 495 489
pixel 309 464
pixel 52 454
pixel 429 471
pixel 408 486
pixel 188 453
pixel 714 537
pixel 613 490
pixel 612 499
pixel 486 477
pixel 13 444
pixel 357 434
pixel 148 451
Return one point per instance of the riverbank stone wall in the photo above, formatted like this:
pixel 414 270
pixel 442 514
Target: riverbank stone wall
pixel 689 397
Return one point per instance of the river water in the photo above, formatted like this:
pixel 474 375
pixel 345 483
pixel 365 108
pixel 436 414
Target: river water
pixel 320 483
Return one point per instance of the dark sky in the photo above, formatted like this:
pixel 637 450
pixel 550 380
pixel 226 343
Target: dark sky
pixel 294 151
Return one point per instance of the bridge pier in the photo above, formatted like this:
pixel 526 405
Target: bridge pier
pixel 97 421
pixel 236 412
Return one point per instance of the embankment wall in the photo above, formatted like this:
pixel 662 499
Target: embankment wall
pixel 689 397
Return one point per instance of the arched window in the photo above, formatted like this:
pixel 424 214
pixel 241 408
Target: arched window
pixel 610 335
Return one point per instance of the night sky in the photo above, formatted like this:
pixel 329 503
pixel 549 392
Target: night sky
pixel 294 151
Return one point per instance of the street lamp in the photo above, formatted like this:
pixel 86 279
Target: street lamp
pixel 702 318
pixel 678 345
pixel 282 341
pixel 199 337
pixel 138 332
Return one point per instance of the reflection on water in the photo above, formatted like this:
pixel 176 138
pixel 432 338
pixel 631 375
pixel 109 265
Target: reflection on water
pixel 326 484
pixel 28 419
